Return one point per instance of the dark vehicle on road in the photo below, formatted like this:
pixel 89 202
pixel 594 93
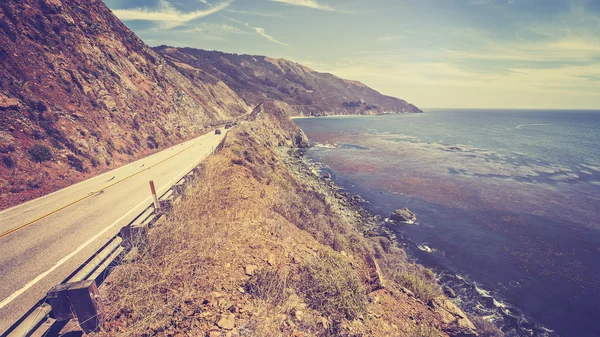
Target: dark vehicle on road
pixel 217 131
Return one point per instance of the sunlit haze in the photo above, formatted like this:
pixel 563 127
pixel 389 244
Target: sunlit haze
pixel 433 53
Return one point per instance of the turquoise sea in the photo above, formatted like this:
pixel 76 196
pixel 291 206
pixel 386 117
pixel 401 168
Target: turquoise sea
pixel 508 204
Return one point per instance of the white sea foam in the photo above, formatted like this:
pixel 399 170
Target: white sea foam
pixel 528 125
pixel 426 248
pixel 591 167
pixel 327 145
pixel 482 292
pixel 499 304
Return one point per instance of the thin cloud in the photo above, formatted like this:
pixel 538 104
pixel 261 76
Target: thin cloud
pixel 307 3
pixel 260 31
pixel 389 38
pixel 253 13
pixel 167 13
pixel 212 31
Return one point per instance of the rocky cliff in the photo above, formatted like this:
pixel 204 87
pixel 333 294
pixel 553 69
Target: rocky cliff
pixel 258 79
pixel 80 94
pixel 82 87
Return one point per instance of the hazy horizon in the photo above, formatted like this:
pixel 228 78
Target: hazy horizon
pixel 525 54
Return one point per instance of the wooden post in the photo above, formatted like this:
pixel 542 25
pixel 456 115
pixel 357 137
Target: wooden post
pixel 86 304
pixel 59 301
pixel 79 300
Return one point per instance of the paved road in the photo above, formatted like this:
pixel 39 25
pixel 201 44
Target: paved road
pixel 41 255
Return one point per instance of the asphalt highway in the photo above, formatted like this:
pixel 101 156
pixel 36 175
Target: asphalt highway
pixel 44 252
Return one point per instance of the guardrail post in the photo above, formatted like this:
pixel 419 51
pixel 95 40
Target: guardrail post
pixel 60 303
pixel 86 304
pixel 134 236
pixel 153 190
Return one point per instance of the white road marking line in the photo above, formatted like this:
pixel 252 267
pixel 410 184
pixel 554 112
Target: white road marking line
pixel 90 180
pixel 31 283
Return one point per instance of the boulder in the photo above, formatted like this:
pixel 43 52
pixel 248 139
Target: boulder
pixel 404 215
pixel 226 321
pixel 8 103
pixel 454 321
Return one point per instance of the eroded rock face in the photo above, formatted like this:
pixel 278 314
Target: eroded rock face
pixel 404 215
pixel 75 79
pixel 454 321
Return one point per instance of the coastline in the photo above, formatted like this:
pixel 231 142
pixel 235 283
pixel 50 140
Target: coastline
pixel 475 292
pixel 272 215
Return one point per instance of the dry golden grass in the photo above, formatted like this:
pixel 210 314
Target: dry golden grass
pixel 331 286
pixel 249 208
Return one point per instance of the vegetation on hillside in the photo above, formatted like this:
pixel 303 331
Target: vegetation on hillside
pixel 259 249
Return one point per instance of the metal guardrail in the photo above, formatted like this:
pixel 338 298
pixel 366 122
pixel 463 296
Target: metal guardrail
pixel 39 320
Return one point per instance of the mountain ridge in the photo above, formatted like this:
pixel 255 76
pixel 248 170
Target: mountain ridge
pixel 81 94
pixel 257 78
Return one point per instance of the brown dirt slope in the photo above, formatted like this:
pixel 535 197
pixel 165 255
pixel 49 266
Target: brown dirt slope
pixel 260 247
pixel 75 79
pixel 258 79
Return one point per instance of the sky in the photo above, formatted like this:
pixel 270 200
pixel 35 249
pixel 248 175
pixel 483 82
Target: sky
pixel 529 54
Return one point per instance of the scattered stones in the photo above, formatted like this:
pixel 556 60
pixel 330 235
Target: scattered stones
pixel 404 215
pixel 226 321
pixel 214 333
pixel 250 269
pixel 454 321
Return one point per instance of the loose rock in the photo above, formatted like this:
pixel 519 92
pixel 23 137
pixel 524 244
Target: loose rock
pixel 454 321
pixel 226 322
pixel 404 215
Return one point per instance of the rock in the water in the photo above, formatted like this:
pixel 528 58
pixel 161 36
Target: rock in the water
pixel 226 322
pixel 404 215
pixel 449 292
pixel 326 176
pixel 454 321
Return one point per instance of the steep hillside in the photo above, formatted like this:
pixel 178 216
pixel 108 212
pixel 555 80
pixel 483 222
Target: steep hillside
pixel 259 78
pixel 80 93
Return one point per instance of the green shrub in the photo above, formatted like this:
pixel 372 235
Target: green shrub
pixel 110 147
pixel 423 285
pixel 8 161
pixel 269 285
pixel 331 286
pixel 40 153
pixel 75 163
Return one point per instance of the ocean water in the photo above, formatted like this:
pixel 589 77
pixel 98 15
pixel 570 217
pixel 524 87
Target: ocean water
pixel 508 205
